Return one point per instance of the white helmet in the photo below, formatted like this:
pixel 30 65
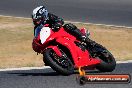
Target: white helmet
pixel 39 15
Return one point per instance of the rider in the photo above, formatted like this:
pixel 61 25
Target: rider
pixel 41 16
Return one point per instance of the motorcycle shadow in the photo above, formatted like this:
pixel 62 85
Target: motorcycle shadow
pixel 44 72
pixel 34 72
pixel 89 72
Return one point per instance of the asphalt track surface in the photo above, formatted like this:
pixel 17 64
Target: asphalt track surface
pixel 111 12
pixel 47 78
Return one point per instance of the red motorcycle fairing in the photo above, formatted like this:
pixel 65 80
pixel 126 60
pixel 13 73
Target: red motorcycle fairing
pixel 80 58
pixel 37 44
pixel 37 47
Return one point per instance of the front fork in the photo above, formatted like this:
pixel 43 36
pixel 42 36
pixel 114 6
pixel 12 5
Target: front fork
pixel 56 50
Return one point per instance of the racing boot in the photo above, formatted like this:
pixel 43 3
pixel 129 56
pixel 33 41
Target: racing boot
pixel 83 38
pixel 88 41
pixel 72 29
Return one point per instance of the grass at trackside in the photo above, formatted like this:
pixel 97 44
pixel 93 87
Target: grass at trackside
pixel 15 43
pixel 16 38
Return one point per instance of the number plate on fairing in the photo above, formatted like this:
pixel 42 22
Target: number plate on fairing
pixel 44 34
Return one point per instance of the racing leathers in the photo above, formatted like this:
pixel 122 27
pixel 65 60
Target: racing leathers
pixel 55 23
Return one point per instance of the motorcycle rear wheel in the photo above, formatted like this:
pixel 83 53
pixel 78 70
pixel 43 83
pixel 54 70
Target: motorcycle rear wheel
pixel 62 65
pixel 108 62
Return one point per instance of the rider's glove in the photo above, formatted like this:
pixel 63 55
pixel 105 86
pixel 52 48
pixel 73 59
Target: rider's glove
pixel 56 27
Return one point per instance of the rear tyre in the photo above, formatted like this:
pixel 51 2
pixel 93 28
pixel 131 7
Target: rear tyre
pixel 108 62
pixel 62 65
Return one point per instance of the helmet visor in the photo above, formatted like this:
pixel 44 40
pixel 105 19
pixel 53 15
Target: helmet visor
pixel 38 21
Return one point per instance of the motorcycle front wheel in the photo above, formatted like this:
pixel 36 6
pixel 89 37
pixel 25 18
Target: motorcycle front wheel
pixel 62 65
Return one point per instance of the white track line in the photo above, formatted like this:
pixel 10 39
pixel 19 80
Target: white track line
pixel 15 17
pixel 78 22
pixel 44 67
pixel 127 61
pixel 24 68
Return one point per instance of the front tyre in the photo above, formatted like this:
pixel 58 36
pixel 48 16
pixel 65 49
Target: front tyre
pixel 61 65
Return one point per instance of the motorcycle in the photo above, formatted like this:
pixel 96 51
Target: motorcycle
pixel 64 53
